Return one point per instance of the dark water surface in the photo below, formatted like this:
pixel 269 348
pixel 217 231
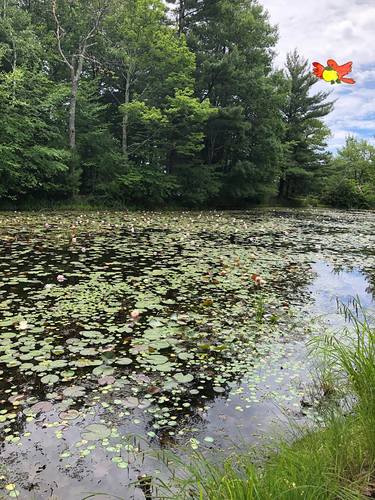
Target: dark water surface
pixel 212 362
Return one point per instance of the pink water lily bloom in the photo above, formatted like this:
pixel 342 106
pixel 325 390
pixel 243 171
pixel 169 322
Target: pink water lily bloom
pixel 135 314
pixel 61 278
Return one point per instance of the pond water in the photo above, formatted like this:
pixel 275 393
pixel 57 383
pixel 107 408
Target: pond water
pixel 125 333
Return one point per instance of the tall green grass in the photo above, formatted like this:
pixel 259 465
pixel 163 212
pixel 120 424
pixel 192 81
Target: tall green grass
pixel 334 460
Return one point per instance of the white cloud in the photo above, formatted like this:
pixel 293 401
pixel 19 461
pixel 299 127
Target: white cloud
pixel 338 29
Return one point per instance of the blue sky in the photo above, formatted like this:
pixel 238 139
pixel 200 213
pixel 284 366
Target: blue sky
pixel 343 30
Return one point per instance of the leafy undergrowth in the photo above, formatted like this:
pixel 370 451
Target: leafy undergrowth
pixel 333 461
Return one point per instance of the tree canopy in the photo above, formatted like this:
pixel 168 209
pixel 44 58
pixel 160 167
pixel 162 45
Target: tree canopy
pixel 141 103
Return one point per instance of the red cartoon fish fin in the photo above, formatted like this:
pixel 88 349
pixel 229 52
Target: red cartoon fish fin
pixel 342 70
pixel 348 80
pixel 345 69
pixel 333 64
pixel 318 69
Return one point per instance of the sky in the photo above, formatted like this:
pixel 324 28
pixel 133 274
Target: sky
pixel 343 30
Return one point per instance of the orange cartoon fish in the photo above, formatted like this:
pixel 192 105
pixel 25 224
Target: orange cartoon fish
pixel 333 72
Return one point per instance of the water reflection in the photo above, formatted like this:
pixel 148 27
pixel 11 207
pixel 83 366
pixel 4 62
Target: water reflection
pixel 335 285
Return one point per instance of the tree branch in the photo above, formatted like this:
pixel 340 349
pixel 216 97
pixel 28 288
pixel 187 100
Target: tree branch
pixel 59 35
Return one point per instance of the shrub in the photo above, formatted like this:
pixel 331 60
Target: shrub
pixel 346 193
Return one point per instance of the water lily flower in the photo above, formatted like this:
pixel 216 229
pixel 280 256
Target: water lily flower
pixel 61 278
pixel 46 225
pixel 74 239
pixel 48 286
pixel 135 314
pixel 258 280
pixel 83 249
pixel 23 325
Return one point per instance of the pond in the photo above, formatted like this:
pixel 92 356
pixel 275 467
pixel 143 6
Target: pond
pixel 125 333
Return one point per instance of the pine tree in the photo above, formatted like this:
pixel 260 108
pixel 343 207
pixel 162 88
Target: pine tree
pixel 305 133
pixel 233 42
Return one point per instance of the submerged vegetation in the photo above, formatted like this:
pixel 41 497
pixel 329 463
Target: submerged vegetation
pixel 334 460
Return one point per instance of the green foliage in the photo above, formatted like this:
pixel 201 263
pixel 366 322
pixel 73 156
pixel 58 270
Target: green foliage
pixel 97 149
pixel 197 185
pixel 352 363
pixel 118 102
pixel 146 186
pixel 186 119
pixel 351 177
pixel 31 160
pixel 345 193
pixel 234 72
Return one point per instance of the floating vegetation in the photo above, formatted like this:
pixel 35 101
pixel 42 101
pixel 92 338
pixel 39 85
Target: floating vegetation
pixel 137 331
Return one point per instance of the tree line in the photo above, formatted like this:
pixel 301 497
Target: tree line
pixel 140 103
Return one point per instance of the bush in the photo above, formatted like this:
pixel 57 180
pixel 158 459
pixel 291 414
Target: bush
pixel 346 193
pixel 142 186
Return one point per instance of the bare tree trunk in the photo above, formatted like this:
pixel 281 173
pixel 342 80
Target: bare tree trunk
pixel 181 17
pixel 72 112
pixel 125 118
pixel 14 68
pixel 75 64
pixel 281 187
pixel 5 8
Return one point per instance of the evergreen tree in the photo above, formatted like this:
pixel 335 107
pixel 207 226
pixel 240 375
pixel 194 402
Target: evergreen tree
pixel 233 43
pixel 305 143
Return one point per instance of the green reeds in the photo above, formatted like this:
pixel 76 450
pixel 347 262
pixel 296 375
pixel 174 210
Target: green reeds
pixel 333 460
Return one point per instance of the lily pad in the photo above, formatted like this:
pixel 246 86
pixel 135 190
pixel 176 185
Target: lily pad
pixel 219 389
pixel 157 359
pixel 124 361
pixel 183 379
pixel 69 415
pixel 103 370
pixel 107 380
pixel 50 379
pixel 42 407
pixel 131 402
pixel 95 432
pixel 76 391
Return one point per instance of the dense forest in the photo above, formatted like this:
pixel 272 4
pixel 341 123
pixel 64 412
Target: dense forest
pixel 139 103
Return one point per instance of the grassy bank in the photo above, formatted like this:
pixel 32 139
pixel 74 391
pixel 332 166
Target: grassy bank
pixel 335 460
